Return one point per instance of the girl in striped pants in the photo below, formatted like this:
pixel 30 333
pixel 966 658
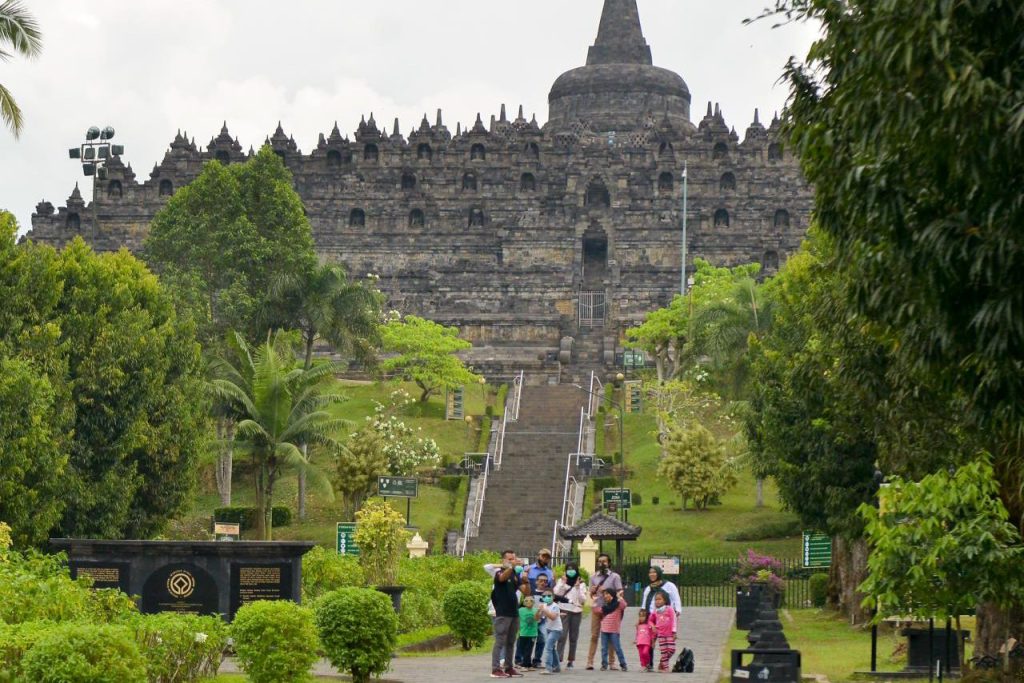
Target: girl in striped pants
pixel 663 617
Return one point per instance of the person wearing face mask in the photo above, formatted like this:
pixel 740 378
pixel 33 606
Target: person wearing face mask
pixel 570 594
pixel 542 567
pixel 603 579
pixel 551 614
pixel 505 601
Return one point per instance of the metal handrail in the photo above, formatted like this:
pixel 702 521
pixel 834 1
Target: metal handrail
pixel 596 393
pixel 582 436
pixel 472 526
pixel 517 396
pixel 511 414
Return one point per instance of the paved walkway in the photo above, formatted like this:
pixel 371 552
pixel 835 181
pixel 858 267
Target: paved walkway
pixel 702 629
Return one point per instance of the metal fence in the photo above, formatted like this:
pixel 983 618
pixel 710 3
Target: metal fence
pixel 708 582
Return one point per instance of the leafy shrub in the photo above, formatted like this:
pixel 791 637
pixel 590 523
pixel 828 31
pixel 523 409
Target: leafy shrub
pixel 655 500
pixel 180 648
pixel 275 641
pixel 489 411
pixel 502 397
pixel 358 628
pixel 245 516
pixel 465 612
pixel 381 537
pixel 818 585
pixel 449 483
pixel 602 483
pixel 35 587
pixel 420 609
pixel 754 567
pixel 15 640
pixel 767 530
pixel 324 570
pixel 485 434
pixel 78 652
pixel 636 498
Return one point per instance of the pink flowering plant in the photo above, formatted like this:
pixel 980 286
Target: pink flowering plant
pixel 757 568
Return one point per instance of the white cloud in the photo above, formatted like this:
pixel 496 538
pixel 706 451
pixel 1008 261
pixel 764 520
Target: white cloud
pixel 150 67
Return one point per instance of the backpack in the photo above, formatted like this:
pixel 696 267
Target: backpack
pixel 684 663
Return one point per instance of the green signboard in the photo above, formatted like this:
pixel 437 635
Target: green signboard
pixel 347 539
pixel 397 487
pixel 633 358
pixel 622 499
pixel 634 397
pixel 817 549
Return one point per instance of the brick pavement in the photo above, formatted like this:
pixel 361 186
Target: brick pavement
pixel 702 629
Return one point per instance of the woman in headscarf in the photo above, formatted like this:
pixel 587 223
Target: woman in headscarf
pixel 658 582
pixel 571 594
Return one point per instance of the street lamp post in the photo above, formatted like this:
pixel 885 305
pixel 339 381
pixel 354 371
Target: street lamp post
pixel 682 277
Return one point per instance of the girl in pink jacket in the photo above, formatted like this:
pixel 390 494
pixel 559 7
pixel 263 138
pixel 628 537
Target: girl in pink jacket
pixel 645 635
pixel 663 618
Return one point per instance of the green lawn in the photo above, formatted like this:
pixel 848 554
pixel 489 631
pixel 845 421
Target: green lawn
pixel 669 529
pixel 830 646
pixel 433 513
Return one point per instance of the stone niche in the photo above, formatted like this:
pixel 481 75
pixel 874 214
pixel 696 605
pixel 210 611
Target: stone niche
pixel 194 577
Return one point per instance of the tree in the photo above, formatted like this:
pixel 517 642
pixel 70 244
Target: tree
pixel 425 354
pixel 33 455
pixel 222 239
pixel 20 33
pixel 218 243
pixel 113 374
pixel 695 465
pixel 663 335
pixel 361 460
pixel 281 406
pixel 907 120
pixel 942 545
pixel 322 304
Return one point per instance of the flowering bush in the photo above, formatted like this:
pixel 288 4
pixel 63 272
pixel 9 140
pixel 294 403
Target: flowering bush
pixel 757 568
pixel 405 449
pixel 381 537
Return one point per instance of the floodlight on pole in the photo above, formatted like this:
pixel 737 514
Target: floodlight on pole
pixel 96 151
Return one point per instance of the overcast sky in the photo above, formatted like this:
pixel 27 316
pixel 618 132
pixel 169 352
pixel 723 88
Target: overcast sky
pixel 150 67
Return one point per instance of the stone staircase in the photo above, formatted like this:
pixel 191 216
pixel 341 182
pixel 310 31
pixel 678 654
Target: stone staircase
pixel 524 499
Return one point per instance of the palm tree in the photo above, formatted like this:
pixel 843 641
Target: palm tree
pixel 19 33
pixel 280 407
pixel 324 305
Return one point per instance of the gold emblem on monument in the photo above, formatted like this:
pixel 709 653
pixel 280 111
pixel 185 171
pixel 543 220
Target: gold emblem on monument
pixel 180 584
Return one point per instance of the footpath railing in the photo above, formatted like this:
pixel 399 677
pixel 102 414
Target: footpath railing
pixel 574 486
pixel 709 581
pixel 475 506
pixel 515 398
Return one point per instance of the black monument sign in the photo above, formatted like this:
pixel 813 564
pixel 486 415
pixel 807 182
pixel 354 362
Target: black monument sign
pixel 199 577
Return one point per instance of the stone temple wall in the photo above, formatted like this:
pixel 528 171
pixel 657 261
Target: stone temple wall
pixel 499 228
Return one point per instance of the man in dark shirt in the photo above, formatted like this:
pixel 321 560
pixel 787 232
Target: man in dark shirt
pixel 505 598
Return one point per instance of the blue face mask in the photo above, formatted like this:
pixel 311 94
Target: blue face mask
pixel 571 573
pixel 548 599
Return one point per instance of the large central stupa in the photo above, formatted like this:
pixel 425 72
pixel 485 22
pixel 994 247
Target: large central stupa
pixel 620 86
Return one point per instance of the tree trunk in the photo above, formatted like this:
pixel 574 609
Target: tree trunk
pixel 225 458
pixel 994 627
pixel 427 391
pixel 268 503
pixel 849 569
pixel 261 503
pixel 760 493
pixel 659 366
pixel 301 506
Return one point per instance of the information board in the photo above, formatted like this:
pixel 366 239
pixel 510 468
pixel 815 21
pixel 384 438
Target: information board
pixel 634 396
pixel 817 549
pixel 622 498
pixel 347 539
pixel 453 407
pixel 397 487
pixel 669 564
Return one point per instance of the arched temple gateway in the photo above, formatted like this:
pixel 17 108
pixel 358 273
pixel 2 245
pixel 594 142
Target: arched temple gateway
pixel 520 234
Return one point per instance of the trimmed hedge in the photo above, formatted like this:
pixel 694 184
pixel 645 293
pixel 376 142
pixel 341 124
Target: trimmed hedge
pixel 485 434
pixel 602 483
pixel 85 653
pixel 465 612
pixel 180 648
pixel 449 483
pixel 276 641
pixel 245 516
pixel 818 585
pixel 324 570
pixel 358 629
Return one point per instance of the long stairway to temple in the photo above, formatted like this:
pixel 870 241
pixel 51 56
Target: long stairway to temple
pixel 524 498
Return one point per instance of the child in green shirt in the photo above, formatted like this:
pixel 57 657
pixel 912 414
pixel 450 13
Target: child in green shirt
pixel 527 634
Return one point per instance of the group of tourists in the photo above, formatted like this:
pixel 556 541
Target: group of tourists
pixel 537 616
